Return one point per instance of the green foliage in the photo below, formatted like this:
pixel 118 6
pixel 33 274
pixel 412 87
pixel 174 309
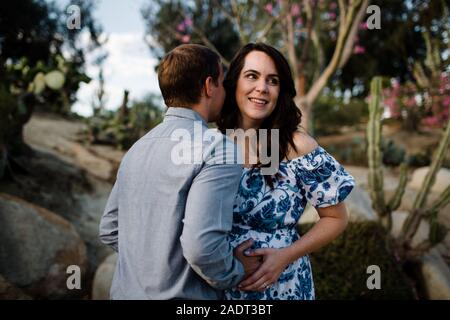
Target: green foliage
pixel 420 159
pixel 393 155
pixel 390 50
pixel 33 72
pixel 53 83
pixel 340 269
pixel 351 152
pixel 331 114
pixel 117 129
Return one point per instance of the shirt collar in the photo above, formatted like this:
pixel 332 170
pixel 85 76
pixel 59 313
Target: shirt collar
pixel 186 113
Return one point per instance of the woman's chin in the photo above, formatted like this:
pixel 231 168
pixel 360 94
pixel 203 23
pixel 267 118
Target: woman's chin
pixel 258 115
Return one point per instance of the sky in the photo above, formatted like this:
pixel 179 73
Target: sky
pixel 129 64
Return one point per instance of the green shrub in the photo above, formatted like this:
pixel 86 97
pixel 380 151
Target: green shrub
pixel 331 114
pixel 393 155
pixel 340 269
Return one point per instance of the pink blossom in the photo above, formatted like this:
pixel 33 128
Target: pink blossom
pixel 359 50
pixel 363 26
pixel 269 8
pixel 409 102
pixel 299 21
pixel 332 5
pixel 332 15
pixel 432 121
pixel 181 27
pixel 188 22
pixel 186 38
pixel 446 101
pixel 295 9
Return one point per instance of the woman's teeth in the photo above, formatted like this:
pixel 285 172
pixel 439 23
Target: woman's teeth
pixel 258 101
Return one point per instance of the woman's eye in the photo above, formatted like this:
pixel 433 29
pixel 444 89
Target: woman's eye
pixel 273 82
pixel 251 76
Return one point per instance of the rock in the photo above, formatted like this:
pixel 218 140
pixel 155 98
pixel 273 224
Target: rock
pixel 361 175
pixel 90 206
pixel 103 278
pixel 96 166
pixel 58 136
pixel 10 292
pixel 37 248
pixel 422 233
pixel 358 207
pixel 436 276
pixel 442 179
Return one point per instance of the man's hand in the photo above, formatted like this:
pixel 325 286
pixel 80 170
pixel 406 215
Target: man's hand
pixel 251 264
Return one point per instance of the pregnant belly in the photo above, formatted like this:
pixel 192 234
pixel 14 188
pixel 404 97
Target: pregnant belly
pixel 278 238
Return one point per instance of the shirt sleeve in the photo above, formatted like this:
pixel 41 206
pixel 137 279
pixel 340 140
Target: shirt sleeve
pixel 324 179
pixel 207 222
pixel 109 223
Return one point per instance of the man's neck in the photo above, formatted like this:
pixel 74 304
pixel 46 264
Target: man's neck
pixel 202 111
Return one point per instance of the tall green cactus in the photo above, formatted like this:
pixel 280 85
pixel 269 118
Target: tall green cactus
pixel 420 210
pixel 374 148
pixel 375 156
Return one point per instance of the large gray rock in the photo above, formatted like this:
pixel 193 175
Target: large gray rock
pixel 436 275
pixel 442 179
pixel 103 278
pixel 8 291
pixel 37 246
pixel 398 220
pixel 358 207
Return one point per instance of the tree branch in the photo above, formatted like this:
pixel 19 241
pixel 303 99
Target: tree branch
pixel 318 85
pixel 348 47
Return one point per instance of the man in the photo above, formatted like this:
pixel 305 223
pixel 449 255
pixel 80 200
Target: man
pixel 167 221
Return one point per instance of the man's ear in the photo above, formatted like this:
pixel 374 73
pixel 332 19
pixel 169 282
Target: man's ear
pixel 209 87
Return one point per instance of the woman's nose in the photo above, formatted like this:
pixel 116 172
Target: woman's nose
pixel 261 87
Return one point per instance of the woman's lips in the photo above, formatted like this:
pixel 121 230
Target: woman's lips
pixel 258 102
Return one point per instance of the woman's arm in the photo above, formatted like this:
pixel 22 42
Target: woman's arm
pixel 333 221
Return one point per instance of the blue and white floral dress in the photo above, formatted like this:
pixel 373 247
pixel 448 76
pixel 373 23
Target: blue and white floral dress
pixel 269 216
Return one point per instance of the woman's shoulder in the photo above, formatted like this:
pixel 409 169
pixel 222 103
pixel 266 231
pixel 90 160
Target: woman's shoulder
pixel 304 144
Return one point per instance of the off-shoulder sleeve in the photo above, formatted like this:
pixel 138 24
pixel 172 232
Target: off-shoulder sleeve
pixel 324 180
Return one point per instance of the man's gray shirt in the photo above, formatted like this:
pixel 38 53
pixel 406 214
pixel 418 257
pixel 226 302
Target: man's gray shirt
pixel 169 221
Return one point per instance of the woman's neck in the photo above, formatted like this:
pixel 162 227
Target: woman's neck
pixel 245 123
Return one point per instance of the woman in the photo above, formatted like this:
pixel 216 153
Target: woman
pixel 260 93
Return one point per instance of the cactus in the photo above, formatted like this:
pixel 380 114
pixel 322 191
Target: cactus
pixel 420 210
pixel 412 223
pixel 26 87
pixel 374 150
pixel 55 79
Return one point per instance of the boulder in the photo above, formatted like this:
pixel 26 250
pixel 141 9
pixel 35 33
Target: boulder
pixel 8 291
pixel 422 233
pixel 442 179
pixel 358 207
pixel 436 276
pixel 103 278
pixel 37 248
pixel 98 167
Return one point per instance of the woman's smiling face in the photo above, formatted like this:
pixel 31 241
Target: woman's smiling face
pixel 257 88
